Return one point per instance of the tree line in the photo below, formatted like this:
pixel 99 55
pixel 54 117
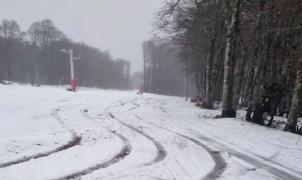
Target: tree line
pixel 36 56
pixel 163 71
pixel 243 53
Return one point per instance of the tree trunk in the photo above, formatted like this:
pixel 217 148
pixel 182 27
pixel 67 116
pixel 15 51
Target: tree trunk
pixel 208 103
pixel 187 84
pixel 296 101
pixel 227 98
pixel 251 83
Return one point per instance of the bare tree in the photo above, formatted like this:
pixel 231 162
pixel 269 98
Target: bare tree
pixel 296 100
pixel 233 7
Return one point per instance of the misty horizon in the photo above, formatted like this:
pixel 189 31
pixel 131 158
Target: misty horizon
pixel 106 25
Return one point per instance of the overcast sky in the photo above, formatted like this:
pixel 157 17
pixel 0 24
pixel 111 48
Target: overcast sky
pixel 116 25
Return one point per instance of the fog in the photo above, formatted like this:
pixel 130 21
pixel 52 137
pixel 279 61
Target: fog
pixel 107 34
pixel 119 26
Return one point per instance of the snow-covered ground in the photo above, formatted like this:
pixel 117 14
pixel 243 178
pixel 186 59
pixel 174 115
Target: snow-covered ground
pixel 49 133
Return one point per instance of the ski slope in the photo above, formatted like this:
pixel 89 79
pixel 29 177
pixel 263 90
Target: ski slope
pixel 49 133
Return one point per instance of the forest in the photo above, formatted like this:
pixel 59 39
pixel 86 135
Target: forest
pixel 246 54
pixel 37 57
pixel 163 70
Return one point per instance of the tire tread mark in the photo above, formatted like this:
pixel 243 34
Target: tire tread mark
pixel 161 155
pixel 117 158
pixel 254 161
pixel 220 164
pixel 74 142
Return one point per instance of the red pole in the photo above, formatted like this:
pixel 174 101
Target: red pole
pixel 74 83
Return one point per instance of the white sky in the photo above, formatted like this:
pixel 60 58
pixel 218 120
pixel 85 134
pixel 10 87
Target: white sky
pixel 116 25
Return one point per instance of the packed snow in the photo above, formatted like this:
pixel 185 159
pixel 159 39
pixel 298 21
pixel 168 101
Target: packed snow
pixel 49 133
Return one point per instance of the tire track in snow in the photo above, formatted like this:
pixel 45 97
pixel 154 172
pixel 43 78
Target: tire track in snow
pixel 220 164
pixel 161 152
pixel 55 115
pixel 135 104
pixel 126 150
pixel 132 108
pixel 276 169
pixel 75 141
pixel 117 158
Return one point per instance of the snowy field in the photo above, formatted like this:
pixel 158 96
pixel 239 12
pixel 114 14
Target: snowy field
pixel 49 133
